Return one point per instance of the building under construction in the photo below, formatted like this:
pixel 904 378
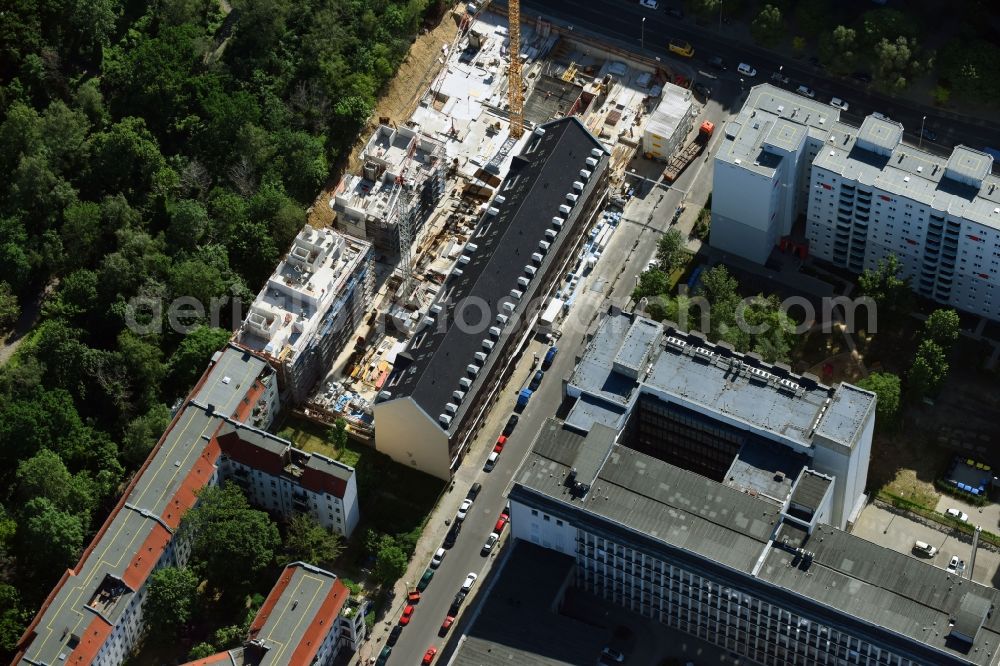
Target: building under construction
pixel 402 179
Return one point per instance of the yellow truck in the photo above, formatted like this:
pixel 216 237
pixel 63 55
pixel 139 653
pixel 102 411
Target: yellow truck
pixel 681 48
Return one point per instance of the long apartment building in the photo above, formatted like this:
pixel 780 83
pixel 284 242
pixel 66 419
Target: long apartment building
pixel 746 559
pixel 305 314
pixel 94 614
pixel 367 205
pixel 305 621
pixel 731 417
pixel 446 378
pixel 864 194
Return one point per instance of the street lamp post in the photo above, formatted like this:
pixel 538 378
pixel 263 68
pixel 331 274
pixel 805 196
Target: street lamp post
pixel 642 35
pixel 920 142
pixel 720 15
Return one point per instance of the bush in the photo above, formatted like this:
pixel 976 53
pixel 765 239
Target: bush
pixel 969 498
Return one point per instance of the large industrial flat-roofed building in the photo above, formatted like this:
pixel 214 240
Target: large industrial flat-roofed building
pixel 864 194
pixel 446 377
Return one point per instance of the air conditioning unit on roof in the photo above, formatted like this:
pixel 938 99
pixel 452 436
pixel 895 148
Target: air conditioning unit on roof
pixel 480 356
pixel 596 152
pixel 564 209
pixel 578 186
pixel 585 174
pixel 591 162
pixel 444 420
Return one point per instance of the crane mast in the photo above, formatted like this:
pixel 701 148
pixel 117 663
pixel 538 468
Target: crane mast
pixel 515 83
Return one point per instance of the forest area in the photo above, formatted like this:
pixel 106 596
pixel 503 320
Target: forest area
pixel 152 151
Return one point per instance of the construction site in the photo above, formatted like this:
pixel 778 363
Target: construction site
pixel 427 180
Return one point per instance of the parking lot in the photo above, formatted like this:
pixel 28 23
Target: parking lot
pixel 899 532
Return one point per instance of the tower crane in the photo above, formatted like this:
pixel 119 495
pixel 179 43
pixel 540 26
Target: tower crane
pixel 515 83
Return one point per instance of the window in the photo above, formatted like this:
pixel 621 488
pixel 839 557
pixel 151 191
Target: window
pixel 534 512
pixel 559 523
pixel 546 517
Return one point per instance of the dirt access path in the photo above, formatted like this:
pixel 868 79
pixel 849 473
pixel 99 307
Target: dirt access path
pixel 398 103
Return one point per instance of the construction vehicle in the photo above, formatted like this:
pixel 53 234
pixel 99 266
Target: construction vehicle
pixel 680 160
pixel 681 48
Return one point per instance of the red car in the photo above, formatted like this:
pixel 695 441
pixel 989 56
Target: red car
pixel 446 625
pixel 413 596
pixel 407 614
pixel 501 523
pixel 501 440
pixel 429 655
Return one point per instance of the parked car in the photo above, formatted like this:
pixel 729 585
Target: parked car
pixel 536 381
pixel 491 541
pixel 649 4
pixel 501 523
pixel 929 134
pixel 957 514
pixel 718 63
pixel 394 635
pixel 470 580
pixel 456 604
pixel 778 77
pixel 550 356
pixel 612 654
pixel 706 92
pixel 838 103
pixel 956 565
pixel 446 625
pixel 413 596
pixel 511 424
pixel 474 491
pixel 862 77
pixel 438 558
pixel 806 91
pixel 383 656
pixel 491 461
pixel 676 13
pixel 404 619
pixel 925 548
pixel 463 510
pixel 746 70
pixel 505 512
pixel 425 579
pixel 429 655
pixel 452 536
pixel 501 442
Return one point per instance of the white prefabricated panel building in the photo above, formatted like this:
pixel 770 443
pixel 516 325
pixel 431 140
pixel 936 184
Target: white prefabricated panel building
pixel 669 124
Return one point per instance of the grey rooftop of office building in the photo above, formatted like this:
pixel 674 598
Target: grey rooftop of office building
pixel 518 625
pixel 539 180
pixel 850 581
pixel 767 398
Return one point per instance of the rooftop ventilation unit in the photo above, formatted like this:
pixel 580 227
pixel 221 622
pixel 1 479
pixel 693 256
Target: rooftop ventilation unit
pixel 572 197
pixel 537 257
pixel 758 374
pixel 428 321
pixel 488 344
pixel 544 246
pixel 451 408
pixel 384 395
pixel 436 308
pixel 564 209
pixel 530 270
pixel 523 281
pixel 464 259
pixel 495 331
pixel 551 233
pixel 458 395
pixel 480 356
pixel 465 382
pixel 676 342
pixel 558 221
pixel 471 247
pixel 472 369
pixel 591 162
pixel 492 210
pixel 502 319
pixel 585 174
pixel 788 385
pixel 578 186
pixel 516 294
pixel 508 306
pixel 444 420
pixel 499 199
pixel 703 353
pixel 596 152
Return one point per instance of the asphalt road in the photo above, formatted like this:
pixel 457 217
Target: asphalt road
pixel 622 22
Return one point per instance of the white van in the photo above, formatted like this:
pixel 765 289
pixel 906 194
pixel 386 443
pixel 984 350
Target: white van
pixel 925 548
pixel 491 462
pixel 746 70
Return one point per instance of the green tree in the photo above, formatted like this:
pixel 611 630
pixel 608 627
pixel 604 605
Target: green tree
pixel 230 542
pixel 670 254
pixel 142 434
pixel 895 63
pixel 719 287
pixel 890 292
pixel 652 282
pixel 50 539
pixel 45 475
pixel 188 224
pixel 201 651
pixel 768 28
pixel 127 159
pixel 171 598
pixel 308 541
pixel 812 16
pixel 390 564
pixel 886 387
pixel 13 617
pixel 771 330
pixel 929 370
pixel 337 434
pixel 839 49
pixel 971 66
pixel 193 354
pixel 64 135
pixel 9 308
pixel 942 327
